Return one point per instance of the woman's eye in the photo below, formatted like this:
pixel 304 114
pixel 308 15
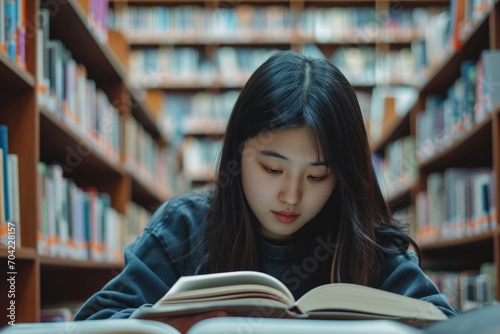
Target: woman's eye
pixel 316 178
pixel 271 171
pixel 274 171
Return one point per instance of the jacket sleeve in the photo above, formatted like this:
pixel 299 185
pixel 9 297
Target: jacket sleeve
pixel 403 275
pixel 148 274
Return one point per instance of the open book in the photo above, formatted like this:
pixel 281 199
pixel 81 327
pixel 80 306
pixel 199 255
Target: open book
pixel 255 294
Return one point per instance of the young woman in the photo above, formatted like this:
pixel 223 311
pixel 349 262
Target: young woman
pixel 296 197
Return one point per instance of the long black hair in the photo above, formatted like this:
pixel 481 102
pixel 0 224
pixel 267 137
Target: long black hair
pixel 290 90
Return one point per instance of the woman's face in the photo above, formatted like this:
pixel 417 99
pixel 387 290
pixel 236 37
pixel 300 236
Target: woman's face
pixel 284 182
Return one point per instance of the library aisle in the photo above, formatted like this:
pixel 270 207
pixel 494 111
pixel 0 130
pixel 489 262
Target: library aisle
pixel 109 108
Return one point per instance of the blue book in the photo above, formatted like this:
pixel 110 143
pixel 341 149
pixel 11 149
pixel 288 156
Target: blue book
pixel 4 145
pixel 10 28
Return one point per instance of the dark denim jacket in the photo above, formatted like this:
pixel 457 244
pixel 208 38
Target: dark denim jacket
pixel 169 248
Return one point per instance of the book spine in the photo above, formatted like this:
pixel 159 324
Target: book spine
pixel 10 28
pixel 3 46
pixel 4 145
pixel 14 195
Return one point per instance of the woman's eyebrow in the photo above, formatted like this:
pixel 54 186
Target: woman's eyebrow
pixel 275 154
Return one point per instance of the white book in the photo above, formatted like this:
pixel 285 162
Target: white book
pixel 481 201
pixel 14 195
pixel 3 231
pixel 250 293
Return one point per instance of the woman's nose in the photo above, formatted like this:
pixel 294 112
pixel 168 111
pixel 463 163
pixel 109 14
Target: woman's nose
pixel 290 193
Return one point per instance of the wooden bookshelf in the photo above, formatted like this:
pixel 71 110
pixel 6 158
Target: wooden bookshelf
pixel 12 75
pixel 477 147
pixel 35 135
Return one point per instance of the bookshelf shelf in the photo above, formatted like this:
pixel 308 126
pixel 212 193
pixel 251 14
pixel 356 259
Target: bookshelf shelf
pixel 261 40
pixel 205 127
pixel 20 253
pixel 11 75
pixel 401 198
pixel 137 40
pixel 212 83
pixel 143 114
pixel 196 39
pixel 147 193
pixel 397 128
pixel 469 241
pixel 56 262
pixel 60 143
pixel 476 144
pixel 203 176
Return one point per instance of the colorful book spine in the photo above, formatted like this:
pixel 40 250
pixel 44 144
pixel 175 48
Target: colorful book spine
pixel 3 46
pixel 11 18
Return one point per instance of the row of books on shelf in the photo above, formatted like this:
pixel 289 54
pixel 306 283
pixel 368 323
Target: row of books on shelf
pixel 146 159
pixel 66 91
pixel 194 113
pixel 468 289
pixel 445 34
pixel 367 66
pixel 469 100
pixel 152 67
pixel 466 14
pixel 204 113
pixel 80 223
pixel 97 16
pixel 458 202
pixel 397 169
pixel 200 157
pixel 322 24
pixel 10 214
pixel 388 105
pixel 13 30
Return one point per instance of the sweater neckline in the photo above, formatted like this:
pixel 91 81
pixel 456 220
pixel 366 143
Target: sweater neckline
pixel 283 251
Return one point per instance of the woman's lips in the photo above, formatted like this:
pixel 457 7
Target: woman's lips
pixel 286 217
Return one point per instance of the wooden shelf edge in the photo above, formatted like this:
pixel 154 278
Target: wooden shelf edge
pixel 50 261
pixel 145 188
pixel 22 253
pixel 105 49
pixel 396 124
pixel 422 165
pixel 193 39
pixel 19 77
pixel 115 167
pixel 401 195
pixel 449 243
pixel 145 116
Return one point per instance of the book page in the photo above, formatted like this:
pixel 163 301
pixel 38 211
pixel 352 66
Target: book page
pixel 187 283
pixel 226 293
pixel 357 298
pixel 246 307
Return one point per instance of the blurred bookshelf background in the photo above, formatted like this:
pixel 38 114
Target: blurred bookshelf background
pixel 109 108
